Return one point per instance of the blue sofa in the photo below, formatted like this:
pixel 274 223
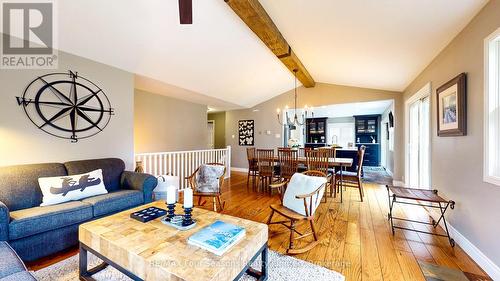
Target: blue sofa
pixel 11 267
pixel 34 231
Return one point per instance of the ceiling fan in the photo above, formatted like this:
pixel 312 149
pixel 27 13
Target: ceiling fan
pixel 186 11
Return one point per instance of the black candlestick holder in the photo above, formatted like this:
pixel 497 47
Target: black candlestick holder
pixel 170 211
pixel 187 220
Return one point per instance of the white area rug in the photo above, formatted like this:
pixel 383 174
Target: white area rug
pixel 281 267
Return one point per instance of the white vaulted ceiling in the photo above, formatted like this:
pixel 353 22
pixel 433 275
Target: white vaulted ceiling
pixel 217 56
pixel 380 44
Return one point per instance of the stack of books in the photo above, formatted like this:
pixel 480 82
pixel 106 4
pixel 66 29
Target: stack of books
pixel 218 237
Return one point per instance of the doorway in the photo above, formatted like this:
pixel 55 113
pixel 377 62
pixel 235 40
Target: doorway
pixel 211 133
pixel 417 139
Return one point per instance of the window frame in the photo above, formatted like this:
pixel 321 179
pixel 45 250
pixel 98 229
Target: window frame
pixel 491 98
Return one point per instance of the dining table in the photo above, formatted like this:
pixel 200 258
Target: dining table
pixel 342 163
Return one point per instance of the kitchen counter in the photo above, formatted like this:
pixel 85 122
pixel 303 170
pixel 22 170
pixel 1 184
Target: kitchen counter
pixel 348 149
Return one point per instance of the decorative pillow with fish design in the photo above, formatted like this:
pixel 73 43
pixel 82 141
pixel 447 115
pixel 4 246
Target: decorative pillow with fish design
pixel 207 180
pixel 57 190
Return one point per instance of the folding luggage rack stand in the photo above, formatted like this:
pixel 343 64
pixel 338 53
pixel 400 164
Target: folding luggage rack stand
pixel 421 196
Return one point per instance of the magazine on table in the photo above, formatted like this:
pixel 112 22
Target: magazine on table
pixel 218 237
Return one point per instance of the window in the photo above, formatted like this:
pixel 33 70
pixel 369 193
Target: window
pixel 492 108
pixel 340 133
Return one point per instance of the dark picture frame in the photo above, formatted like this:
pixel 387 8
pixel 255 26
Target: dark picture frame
pixel 452 107
pixel 246 132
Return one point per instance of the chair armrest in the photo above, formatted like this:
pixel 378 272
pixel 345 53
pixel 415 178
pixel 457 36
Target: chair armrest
pixel 139 181
pixel 303 196
pixel 281 188
pixel 4 222
pixel 309 209
pixel 314 173
pixel 279 185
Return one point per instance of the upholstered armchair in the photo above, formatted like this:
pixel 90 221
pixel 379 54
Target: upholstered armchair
pixel 206 181
pixel 301 196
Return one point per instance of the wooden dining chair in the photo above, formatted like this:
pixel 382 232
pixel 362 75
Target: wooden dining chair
pixel 318 160
pixel 253 168
pixel 352 179
pixel 288 163
pixel 332 153
pixel 302 154
pixel 265 163
pixel 299 203
pixel 207 181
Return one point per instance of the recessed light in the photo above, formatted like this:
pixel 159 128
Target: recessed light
pixel 256 110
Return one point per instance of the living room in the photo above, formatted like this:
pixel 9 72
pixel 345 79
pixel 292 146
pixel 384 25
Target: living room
pixel 318 140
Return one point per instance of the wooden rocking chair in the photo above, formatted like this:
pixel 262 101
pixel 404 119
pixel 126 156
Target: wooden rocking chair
pixel 290 208
pixel 216 196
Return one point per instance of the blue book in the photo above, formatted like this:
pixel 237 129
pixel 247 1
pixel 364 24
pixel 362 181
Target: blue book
pixel 218 237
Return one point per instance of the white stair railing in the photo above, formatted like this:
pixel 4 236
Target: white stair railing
pixel 183 163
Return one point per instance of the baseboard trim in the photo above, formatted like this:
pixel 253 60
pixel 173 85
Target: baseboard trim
pixel 236 169
pixel 479 257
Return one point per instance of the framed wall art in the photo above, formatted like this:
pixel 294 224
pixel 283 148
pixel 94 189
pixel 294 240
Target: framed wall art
pixel 452 107
pixel 246 132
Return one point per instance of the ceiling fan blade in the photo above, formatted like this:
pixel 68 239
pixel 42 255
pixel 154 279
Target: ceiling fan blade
pixel 186 11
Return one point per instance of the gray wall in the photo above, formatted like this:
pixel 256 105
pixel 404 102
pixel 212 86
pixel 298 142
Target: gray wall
pixel 22 142
pixel 321 94
pixel 162 124
pixel 457 162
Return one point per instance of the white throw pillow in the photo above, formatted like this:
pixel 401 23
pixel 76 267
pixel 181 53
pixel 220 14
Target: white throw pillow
pixel 57 190
pixel 207 180
pixel 301 184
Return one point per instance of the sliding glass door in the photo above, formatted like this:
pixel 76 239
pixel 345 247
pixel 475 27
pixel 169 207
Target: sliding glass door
pixel 418 144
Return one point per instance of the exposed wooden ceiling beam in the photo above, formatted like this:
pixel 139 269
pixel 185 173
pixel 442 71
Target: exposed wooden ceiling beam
pixel 256 18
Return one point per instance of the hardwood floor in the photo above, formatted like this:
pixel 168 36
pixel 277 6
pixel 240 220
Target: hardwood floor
pixel 355 237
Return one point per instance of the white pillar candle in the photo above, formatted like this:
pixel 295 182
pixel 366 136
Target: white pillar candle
pixel 171 196
pixel 188 198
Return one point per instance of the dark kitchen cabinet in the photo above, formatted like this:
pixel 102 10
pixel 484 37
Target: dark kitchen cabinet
pixel 316 132
pixel 367 128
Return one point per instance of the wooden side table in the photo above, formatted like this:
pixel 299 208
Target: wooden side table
pixel 419 197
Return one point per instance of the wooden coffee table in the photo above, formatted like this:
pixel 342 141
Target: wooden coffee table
pixel 154 251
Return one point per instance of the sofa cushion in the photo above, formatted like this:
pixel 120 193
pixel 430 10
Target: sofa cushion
pixel 9 261
pixel 115 201
pixel 19 184
pixel 112 169
pixel 35 220
pixel 20 276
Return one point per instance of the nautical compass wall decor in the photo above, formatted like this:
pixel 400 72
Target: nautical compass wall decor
pixel 66 105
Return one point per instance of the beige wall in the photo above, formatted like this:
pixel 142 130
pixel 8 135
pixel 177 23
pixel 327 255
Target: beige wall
pixel 321 94
pixel 166 124
pixel 21 142
pixel 220 128
pixel 457 162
